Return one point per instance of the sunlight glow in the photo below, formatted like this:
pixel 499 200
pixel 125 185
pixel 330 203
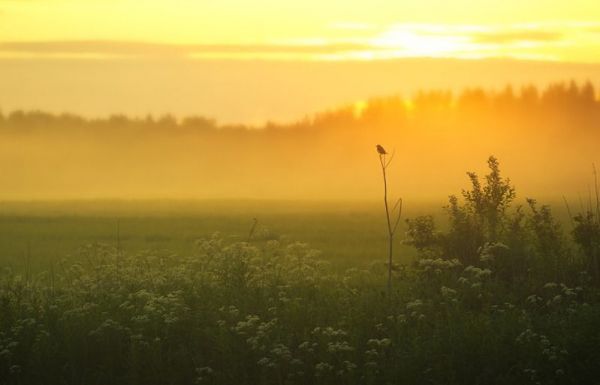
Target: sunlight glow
pixel 405 42
pixel 381 30
pixel 359 108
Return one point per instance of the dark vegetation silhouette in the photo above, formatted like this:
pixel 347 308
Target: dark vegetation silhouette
pixel 572 101
pixel 503 295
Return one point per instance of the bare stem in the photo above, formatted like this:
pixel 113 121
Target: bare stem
pixel 597 194
pixel 569 212
pixel 252 229
pixel 391 229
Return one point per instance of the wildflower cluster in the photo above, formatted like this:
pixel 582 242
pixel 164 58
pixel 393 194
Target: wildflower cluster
pixel 271 312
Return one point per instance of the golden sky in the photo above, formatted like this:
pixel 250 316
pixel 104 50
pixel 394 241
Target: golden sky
pixel 302 30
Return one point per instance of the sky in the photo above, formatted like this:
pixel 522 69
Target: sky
pixel 232 60
pixel 302 30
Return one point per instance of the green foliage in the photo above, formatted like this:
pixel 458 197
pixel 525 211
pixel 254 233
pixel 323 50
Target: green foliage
pixel 548 241
pixel 498 298
pixel 587 235
pixel 422 233
pixel 488 203
pixel 485 232
pixel 273 313
pixel 480 219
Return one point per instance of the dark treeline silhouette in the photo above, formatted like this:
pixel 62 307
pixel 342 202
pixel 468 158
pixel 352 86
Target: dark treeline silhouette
pixel 437 133
pixel 579 101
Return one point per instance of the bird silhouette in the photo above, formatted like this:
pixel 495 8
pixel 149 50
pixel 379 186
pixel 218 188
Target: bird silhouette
pixel 381 150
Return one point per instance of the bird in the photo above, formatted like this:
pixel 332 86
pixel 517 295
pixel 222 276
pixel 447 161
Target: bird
pixel 381 150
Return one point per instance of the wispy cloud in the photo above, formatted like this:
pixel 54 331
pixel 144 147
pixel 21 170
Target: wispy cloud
pixel 502 37
pixel 360 42
pixel 141 49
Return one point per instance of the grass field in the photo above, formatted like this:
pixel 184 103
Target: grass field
pixel 36 234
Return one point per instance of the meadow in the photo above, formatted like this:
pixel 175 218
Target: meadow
pixel 36 234
pixel 486 291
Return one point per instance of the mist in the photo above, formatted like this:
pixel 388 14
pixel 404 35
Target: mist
pixel 545 138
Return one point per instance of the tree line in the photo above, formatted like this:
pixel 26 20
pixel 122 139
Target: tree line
pixel 572 101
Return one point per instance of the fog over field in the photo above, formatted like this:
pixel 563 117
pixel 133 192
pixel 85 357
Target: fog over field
pixel 546 138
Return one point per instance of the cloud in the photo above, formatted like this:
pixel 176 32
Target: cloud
pixel 128 48
pixel 509 37
pixel 398 40
pixel 593 29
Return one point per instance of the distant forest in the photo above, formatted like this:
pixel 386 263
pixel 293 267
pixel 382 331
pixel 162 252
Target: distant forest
pixel 578 103
pixel 436 136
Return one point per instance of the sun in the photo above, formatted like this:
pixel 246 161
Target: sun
pixel 405 41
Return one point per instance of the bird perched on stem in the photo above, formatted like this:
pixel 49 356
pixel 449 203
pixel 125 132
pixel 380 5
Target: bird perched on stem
pixel 381 150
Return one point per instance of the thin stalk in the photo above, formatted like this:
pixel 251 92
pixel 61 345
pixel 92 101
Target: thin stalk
pixel 391 228
pixel 118 237
pixel 597 194
pixel 252 229
pixel 389 223
pixel 569 212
